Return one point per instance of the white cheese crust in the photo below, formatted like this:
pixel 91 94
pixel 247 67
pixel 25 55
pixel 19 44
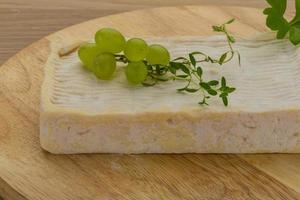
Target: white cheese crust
pixel 81 114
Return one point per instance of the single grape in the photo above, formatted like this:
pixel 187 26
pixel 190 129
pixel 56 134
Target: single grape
pixel 135 49
pixel 87 53
pixel 104 65
pixel 136 72
pixel 110 40
pixel 157 54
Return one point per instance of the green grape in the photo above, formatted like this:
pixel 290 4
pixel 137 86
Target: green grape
pixel 104 65
pixel 135 49
pixel 110 40
pixel 157 54
pixel 136 72
pixel 87 53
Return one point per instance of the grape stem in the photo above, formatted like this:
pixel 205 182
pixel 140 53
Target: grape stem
pixel 121 58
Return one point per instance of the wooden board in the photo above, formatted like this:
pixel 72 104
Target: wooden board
pixel 24 22
pixel 27 172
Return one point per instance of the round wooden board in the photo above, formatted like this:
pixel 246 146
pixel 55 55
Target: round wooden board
pixel 28 172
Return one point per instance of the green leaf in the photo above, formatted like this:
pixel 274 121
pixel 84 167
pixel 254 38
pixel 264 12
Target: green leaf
pixel 295 35
pixel 191 90
pixel 278 5
pixel 223 82
pixel 185 69
pixel 222 58
pixel 192 59
pixel 275 22
pixel 225 100
pixel 230 21
pixel 205 86
pixel 275 13
pixel 217 28
pixel 199 71
pixel 297 6
pixel 212 92
pixel 283 30
pixel 267 11
pixel 182 76
pixel 213 83
pixel 223 95
pixel 229 90
pixel 275 19
pixel 172 70
pixel 178 65
pixel 239 58
pixel 231 39
pixel 173 67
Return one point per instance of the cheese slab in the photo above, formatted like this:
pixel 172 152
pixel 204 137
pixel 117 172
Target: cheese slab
pixel 82 114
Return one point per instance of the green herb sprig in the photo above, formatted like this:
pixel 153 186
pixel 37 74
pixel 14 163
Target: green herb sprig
pixel 276 21
pixel 190 70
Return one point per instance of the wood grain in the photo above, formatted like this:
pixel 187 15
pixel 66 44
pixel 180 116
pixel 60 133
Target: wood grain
pixel 27 172
pixel 23 22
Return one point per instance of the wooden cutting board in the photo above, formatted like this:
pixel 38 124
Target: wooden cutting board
pixel 28 172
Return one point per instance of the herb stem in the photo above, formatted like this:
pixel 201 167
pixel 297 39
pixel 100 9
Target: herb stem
pixel 178 78
pixel 229 41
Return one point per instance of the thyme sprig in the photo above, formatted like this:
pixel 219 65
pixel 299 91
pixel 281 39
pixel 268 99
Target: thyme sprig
pixel 189 69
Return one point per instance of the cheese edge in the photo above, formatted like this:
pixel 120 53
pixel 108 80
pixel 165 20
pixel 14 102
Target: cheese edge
pixel 67 133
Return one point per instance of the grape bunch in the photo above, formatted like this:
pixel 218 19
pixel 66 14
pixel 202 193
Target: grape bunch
pixel 102 56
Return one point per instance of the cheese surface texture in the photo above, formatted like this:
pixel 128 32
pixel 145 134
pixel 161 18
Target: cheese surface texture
pixel 82 114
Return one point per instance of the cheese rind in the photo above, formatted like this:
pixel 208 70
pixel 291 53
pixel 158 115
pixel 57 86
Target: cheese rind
pixel 172 133
pixel 81 114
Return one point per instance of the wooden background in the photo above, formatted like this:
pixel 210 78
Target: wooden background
pixel 25 21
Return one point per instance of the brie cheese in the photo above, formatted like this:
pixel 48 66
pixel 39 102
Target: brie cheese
pixel 82 114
